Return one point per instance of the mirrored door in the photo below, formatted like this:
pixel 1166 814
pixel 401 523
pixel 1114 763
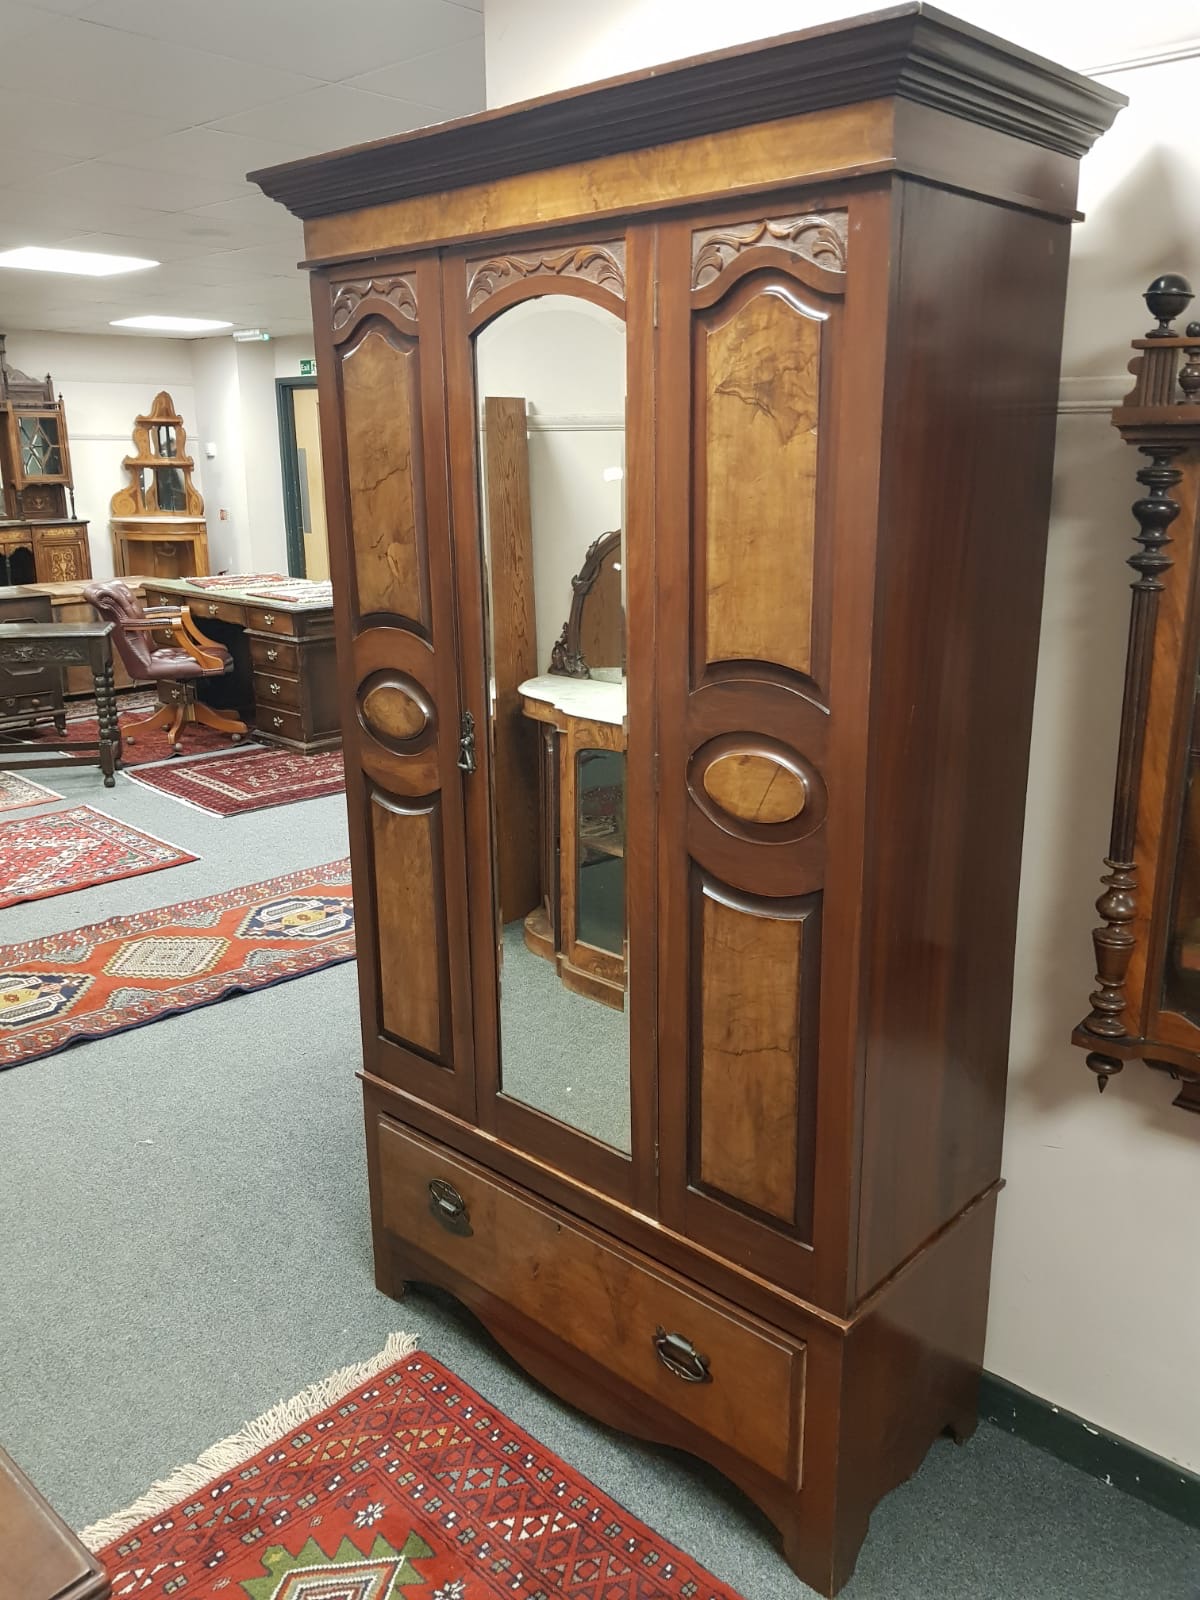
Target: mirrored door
pixel 550 387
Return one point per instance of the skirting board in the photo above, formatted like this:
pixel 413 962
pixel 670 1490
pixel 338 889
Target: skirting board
pixel 1101 1455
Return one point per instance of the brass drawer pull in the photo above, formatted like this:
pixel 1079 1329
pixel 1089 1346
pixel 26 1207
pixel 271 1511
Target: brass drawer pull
pixel 274 688
pixel 680 1356
pixel 212 608
pixel 277 721
pixel 449 1207
pixel 268 620
pixel 272 655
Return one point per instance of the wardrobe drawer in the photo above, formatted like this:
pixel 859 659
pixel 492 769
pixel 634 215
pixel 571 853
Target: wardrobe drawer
pixel 733 1377
pixel 273 689
pixel 275 655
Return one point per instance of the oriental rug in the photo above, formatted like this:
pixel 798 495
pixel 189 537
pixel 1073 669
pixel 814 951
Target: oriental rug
pixel 76 849
pixel 408 1485
pixel 226 786
pixel 129 971
pixel 17 793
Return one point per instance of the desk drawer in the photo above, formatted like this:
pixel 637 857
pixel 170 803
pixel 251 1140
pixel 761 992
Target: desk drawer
pixel 202 610
pixel 275 655
pixel 265 620
pixel 283 723
pixel 607 1301
pixel 273 689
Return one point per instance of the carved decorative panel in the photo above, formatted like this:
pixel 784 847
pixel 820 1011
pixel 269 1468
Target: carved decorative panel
pixel 399 292
pixel 816 237
pixel 414 983
pixel 753 1065
pixel 601 264
pixel 394 708
pixel 380 390
pixel 755 788
pixel 757 383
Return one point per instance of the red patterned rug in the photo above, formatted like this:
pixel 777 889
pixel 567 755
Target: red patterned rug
pixel 228 785
pixel 128 971
pixel 195 739
pixel 406 1486
pixel 77 849
pixel 18 793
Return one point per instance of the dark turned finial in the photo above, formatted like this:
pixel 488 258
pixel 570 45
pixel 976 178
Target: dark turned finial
pixel 1168 297
pixel 1189 375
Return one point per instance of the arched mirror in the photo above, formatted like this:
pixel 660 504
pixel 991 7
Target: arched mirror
pixel 550 377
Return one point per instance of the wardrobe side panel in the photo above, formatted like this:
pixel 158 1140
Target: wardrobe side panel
pixel 970 399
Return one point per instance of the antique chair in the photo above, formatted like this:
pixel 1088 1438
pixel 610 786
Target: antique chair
pixel 179 665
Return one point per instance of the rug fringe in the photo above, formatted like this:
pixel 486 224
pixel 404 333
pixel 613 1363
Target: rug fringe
pixel 229 1453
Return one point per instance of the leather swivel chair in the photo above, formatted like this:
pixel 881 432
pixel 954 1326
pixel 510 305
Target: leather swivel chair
pixel 176 668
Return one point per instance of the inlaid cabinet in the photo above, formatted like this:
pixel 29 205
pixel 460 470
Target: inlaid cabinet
pixel 788 317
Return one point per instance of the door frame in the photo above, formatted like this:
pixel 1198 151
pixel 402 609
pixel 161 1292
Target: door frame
pixel 285 405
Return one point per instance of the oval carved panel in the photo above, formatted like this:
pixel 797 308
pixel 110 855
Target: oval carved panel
pixel 395 709
pixel 755 788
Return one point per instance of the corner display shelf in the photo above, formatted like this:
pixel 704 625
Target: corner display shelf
pixel 1146 1005
pixel 158 525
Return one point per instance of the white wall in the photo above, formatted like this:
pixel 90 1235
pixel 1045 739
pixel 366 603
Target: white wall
pixel 105 382
pixel 1096 1286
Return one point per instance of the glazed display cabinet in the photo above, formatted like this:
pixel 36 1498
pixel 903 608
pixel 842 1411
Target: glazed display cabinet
pixel 788 317
pixel 1146 1005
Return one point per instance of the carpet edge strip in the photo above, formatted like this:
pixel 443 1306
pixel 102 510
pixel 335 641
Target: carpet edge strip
pixel 229 1453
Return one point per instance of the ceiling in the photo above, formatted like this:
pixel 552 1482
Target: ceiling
pixel 129 128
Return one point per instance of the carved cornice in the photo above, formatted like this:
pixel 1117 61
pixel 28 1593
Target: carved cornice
pixel 399 292
pixel 908 52
pixel 601 264
pixel 819 237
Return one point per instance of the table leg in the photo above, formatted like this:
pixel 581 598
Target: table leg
pixel 106 713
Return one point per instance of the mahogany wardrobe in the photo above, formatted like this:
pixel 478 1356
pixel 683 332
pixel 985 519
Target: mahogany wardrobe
pixel 787 320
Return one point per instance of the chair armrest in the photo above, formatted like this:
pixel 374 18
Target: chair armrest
pixel 178 623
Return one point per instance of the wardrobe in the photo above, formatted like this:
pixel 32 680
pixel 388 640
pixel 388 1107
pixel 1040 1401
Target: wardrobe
pixel 788 317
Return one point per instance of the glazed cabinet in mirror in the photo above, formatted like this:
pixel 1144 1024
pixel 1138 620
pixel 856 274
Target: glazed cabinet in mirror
pixel 687 445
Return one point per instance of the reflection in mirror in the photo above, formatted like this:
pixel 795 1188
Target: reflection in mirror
pixel 1181 979
pixel 550 377
pixel 163 439
pixel 170 490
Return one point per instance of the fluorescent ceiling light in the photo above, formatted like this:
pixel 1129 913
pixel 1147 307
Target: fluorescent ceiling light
pixel 157 324
pixel 83 263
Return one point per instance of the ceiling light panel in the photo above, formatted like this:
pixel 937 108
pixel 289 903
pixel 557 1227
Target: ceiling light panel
pixel 162 324
pixel 80 263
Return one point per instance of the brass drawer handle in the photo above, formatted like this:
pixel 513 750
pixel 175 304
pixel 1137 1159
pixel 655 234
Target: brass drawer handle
pixel 272 655
pixel 274 688
pixel 277 721
pixel 212 608
pixel 680 1356
pixel 268 620
pixel 449 1207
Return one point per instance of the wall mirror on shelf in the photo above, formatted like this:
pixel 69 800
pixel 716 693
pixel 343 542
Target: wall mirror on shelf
pixel 550 384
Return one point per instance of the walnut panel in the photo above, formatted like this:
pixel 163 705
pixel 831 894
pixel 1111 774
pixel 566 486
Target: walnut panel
pixel 410 931
pixel 756 982
pixel 754 787
pixel 380 392
pixel 758 388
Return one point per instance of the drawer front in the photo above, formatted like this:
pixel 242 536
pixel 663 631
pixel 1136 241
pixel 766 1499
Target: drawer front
pixel 280 721
pixel 273 689
pixel 221 610
pixel 275 655
pixel 264 620
pixel 606 1301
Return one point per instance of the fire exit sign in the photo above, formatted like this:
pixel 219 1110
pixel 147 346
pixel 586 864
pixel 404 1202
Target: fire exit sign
pixel 308 369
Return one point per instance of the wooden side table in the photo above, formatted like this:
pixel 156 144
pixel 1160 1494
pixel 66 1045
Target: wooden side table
pixel 64 644
pixel 40 1558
